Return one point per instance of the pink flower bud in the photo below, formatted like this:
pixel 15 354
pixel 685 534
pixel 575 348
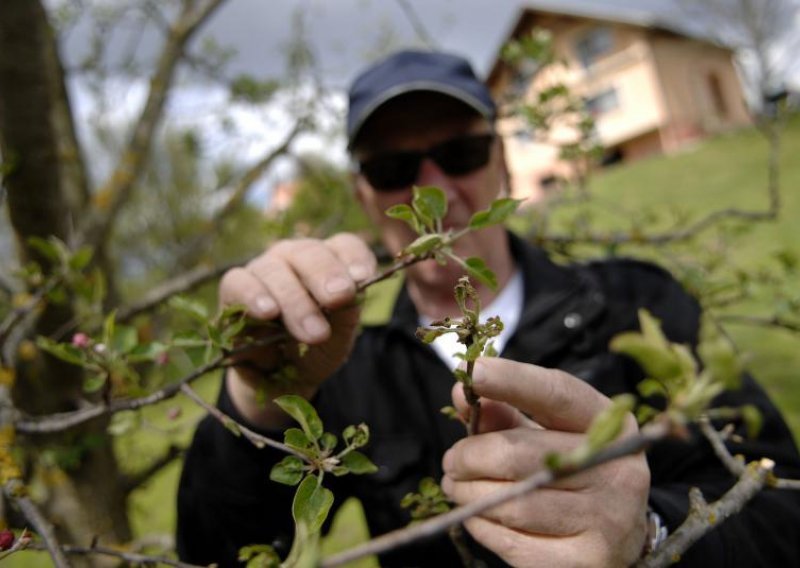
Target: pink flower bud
pixel 81 340
pixel 162 358
pixel 174 413
pixel 6 539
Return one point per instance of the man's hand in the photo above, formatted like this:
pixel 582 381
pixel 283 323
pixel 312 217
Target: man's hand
pixel 310 285
pixel 595 518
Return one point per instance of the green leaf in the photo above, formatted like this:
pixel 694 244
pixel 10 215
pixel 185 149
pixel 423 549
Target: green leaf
pixel 651 387
pixel 288 471
pixel 424 244
pixel 146 352
pixel 499 211
pixel 109 325
pixel 192 308
pixel 721 360
pixel 753 420
pixel 232 426
pixel 46 248
pixel 124 339
pixel 405 213
pixel 301 410
pixel 297 439
pixel 356 436
pixel 609 423
pixel 259 556
pixel 657 361
pixel 94 382
pixel 430 204
pixel 311 504
pixel 478 269
pixel 64 351
pixel 81 258
pixel 358 463
pixel 328 442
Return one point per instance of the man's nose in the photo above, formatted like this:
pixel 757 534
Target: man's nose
pixel 431 174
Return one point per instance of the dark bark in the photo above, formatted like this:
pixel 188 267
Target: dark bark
pixel 32 108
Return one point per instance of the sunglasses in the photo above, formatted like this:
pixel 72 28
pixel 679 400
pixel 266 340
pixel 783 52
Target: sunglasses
pixel 456 157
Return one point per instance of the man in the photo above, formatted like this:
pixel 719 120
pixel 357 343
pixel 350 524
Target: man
pixel 423 118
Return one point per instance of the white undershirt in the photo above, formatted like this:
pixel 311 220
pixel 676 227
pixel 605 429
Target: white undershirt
pixel 507 305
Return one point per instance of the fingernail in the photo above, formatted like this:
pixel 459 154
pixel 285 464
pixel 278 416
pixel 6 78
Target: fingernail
pixel 359 271
pixel 337 284
pixel 315 326
pixel 265 306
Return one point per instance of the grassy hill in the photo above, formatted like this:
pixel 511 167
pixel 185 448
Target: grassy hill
pixel 729 171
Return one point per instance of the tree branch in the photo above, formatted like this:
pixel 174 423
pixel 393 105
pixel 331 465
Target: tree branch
pixel 734 465
pixel 131 558
pixel 416 24
pixel 395 539
pixel 703 516
pixel 120 184
pixel 185 282
pixel 15 492
pixel 237 429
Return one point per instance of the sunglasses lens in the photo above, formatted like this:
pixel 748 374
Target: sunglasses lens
pixel 456 157
pixel 392 171
pixel 461 156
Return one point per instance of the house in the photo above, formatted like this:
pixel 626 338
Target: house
pixel 651 87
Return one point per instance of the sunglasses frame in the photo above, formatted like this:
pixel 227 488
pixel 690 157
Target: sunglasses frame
pixel 445 151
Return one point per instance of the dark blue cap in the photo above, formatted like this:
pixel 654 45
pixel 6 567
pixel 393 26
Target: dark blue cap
pixel 410 71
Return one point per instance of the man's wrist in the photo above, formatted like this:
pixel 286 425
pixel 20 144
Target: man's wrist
pixel 656 533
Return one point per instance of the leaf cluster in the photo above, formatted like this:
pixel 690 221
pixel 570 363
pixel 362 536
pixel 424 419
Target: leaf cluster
pixel 429 501
pixel 425 216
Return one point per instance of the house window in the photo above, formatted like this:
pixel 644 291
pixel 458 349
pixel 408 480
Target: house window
pixel 602 102
pixel 592 45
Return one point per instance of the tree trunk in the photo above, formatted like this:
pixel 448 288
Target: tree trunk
pixel 85 499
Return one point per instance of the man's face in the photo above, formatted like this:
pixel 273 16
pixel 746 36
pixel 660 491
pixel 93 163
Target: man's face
pixel 420 123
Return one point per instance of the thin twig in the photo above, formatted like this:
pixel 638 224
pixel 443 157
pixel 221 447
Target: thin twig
pixel 395 539
pixel 254 438
pixel 132 558
pixel 14 489
pixel 178 285
pixel 63 420
pixel 734 465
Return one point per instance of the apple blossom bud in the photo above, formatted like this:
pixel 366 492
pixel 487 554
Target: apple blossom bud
pixel 81 340
pixel 6 539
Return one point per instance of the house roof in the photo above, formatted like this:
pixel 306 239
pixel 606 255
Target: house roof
pixel 660 15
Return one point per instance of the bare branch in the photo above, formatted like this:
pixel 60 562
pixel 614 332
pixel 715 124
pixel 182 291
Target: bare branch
pixel 120 183
pixel 701 514
pixel 254 438
pixel 131 558
pixel 734 465
pixel 395 539
pixel 178 285
pixel 416 24
pixel 14 491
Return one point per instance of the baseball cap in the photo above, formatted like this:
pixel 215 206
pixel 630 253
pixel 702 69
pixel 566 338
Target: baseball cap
pixel 410 71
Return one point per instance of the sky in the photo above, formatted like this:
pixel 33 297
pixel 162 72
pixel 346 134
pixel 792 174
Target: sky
pixel 346 33
pixel 343 36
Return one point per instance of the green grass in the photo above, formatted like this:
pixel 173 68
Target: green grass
pixel 726 172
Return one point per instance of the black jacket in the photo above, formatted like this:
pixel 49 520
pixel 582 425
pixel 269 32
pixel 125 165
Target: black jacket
pixel 398 385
